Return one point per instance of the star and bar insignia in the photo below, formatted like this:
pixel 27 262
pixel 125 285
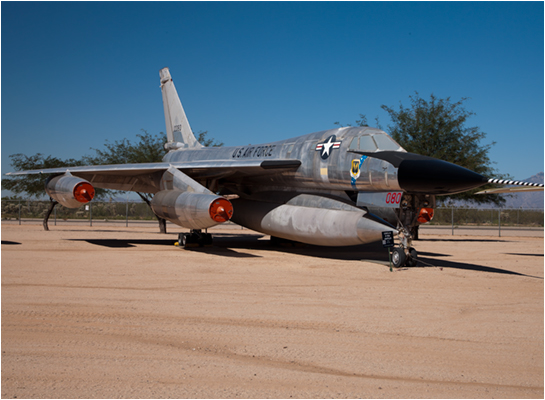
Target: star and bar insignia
pixel 326 146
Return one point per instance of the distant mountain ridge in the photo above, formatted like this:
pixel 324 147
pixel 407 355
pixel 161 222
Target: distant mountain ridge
pixel 527 200
pixel 519 200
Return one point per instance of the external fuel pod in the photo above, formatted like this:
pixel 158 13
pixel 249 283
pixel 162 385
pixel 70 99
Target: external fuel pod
pixel 309 224
pixel 70 191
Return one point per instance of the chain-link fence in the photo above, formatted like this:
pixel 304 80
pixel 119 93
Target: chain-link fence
pixel 95 210
pixel 461 216
pixel 139 211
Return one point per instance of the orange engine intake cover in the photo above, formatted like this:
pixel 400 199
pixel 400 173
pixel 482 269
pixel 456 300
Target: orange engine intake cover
pixel 426 215
pixel 221 210
pixel 84 192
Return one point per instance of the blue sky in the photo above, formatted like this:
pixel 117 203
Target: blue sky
pixel 75 74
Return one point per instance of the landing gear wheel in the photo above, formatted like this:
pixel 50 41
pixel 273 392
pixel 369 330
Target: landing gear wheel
pixel 194 239
pixel 398 257
pixel 413 258
pixel 182 240
pixel 206 240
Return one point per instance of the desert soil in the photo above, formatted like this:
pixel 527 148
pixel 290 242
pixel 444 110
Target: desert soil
pixel 115 312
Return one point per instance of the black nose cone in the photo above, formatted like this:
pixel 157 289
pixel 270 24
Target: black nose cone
pixel 432 176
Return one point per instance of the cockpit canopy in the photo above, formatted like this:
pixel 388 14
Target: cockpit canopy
pixel 373 141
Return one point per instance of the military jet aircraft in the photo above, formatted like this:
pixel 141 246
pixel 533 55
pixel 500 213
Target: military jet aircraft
pixel 337 187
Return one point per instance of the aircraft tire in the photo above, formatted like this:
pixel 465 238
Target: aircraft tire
pixel 182 240
pixel 398 257
pixel 207 240
pixel 193 239
pixel 413 258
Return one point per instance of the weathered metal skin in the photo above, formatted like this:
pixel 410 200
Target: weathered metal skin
pixel 70 191
pixel 331 173
pixel 173 179
pixel 311 219
pixel 187 203
pixel 190 210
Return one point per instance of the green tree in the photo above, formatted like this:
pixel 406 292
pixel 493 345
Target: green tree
pixel 149 148
pixel 32 186
pixel 439 128
pixel 202 138
pixel 359 122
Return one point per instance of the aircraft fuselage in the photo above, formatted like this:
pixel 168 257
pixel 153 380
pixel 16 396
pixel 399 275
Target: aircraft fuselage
pixel 326 161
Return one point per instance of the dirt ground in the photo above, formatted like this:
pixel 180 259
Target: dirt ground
pixel 115 312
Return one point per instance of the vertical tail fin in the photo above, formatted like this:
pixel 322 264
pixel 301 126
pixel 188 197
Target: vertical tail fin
pixel 179 133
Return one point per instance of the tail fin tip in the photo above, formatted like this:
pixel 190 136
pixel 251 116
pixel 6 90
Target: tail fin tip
pixel 179 133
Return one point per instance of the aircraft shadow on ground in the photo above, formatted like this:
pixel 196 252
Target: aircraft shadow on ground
pixel 465 240
pixel 233 245
pixel 105 230
pixel 124 243
pixel 217 250
pixel 468 267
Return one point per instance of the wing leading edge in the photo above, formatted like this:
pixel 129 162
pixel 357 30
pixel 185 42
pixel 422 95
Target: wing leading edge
pixel 143 177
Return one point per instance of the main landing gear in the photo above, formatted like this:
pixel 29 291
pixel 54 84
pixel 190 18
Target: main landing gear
pixel 195 238
pixel 52 205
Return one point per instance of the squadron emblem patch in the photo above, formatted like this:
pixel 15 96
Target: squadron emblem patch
pixel 355 169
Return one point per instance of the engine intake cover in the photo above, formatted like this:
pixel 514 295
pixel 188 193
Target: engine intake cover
pixel 192 210
pixel 70 191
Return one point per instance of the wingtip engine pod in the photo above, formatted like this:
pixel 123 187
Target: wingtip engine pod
pixel 70 191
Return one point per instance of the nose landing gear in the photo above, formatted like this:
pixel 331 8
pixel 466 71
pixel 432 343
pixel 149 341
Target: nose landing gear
pixel 415 209
pixel 398 257
pixel 404 255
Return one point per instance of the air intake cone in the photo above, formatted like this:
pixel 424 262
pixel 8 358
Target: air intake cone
pixel 84 192
pixel 221 210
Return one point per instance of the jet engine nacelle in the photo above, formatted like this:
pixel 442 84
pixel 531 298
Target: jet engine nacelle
pixel 70 191
pixel 191 210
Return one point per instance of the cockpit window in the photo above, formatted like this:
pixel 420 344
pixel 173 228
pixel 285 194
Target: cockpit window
pixel 367 144
pixel 363 143
pixel 385 142
pixel 372 143
pixel 353 144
